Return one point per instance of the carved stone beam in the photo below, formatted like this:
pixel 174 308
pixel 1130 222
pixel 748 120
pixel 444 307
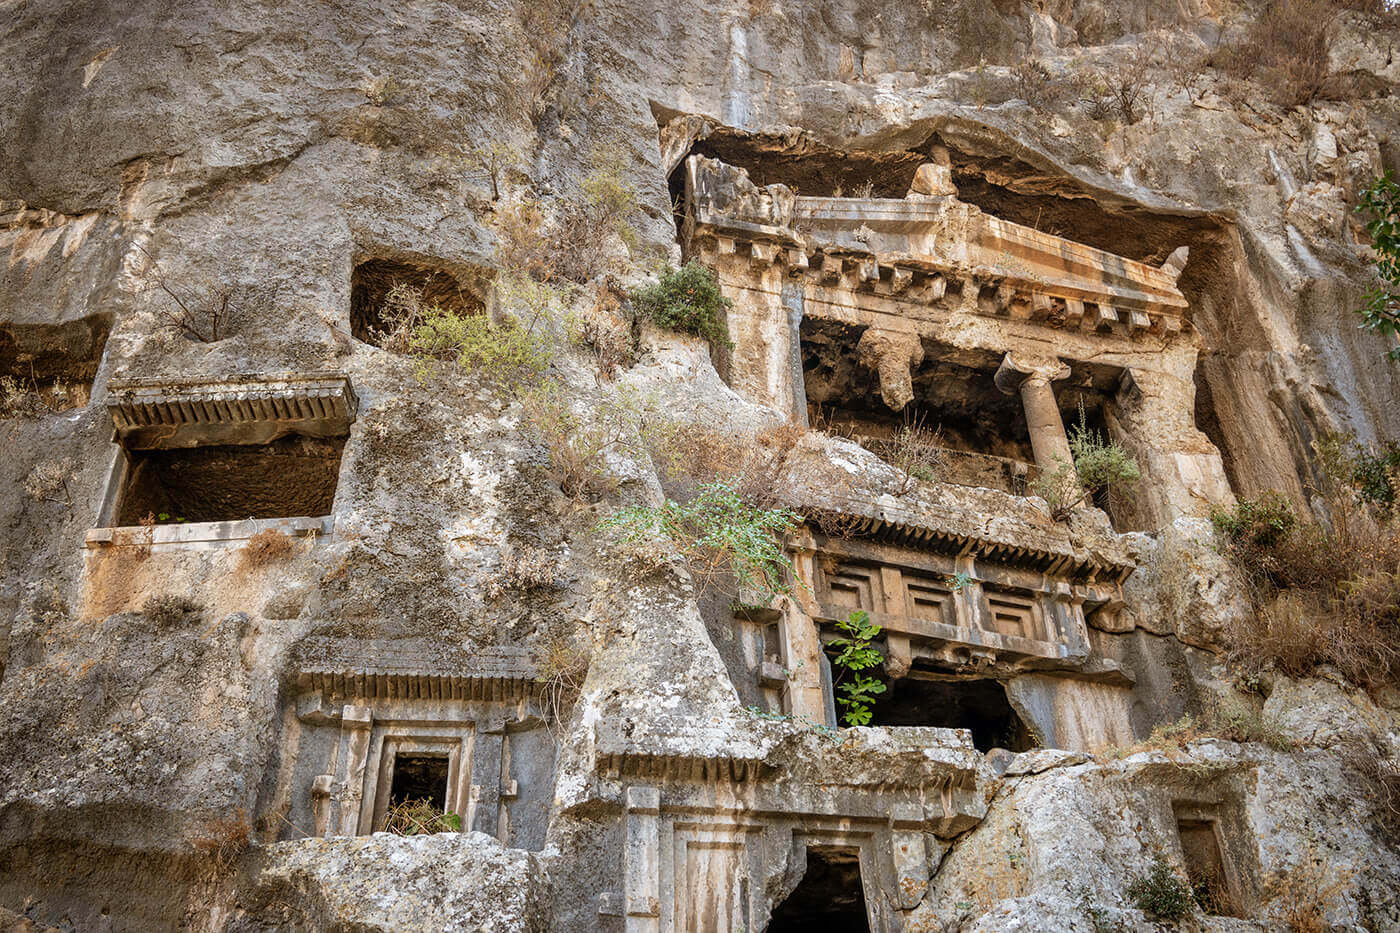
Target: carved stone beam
pixel 1031 378
pixel 893 354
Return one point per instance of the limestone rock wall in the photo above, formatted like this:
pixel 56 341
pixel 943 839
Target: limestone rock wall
pixel 272 147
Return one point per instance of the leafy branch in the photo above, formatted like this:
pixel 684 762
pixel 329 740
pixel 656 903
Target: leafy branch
pixel 854 654
pixel 1381 312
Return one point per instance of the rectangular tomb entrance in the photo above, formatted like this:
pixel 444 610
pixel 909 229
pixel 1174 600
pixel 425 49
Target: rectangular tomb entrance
pixel 291 476
pixel 397 732
pixel 978 705
pixel 201 454
pixel 829 897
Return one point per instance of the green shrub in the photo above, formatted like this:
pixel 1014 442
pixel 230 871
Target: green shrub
pixel 515 350
pixel 1370 474
pixel 688 300
pixel 1162 892
pixel 717 532
pixel 1260 523
pixel 1099 464
pixel 854 654
pixel 1381 312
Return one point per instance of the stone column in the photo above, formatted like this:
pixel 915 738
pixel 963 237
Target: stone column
pixel 800 645
pixel 641 861
pixel 356 813
pixel 1032 378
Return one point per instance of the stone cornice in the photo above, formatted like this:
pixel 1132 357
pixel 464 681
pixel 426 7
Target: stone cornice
pixel 919 250
pixel 183 412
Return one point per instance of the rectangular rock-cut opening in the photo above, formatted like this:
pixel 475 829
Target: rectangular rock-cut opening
pixel 292 476
pixel 982 430
pixel 829 897
pixel 979 706
pixel 375 314
pixel 1205 863
pixel 420 778
pixel 50 367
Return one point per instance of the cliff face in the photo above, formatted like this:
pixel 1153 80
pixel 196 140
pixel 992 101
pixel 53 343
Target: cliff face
pixel 362 569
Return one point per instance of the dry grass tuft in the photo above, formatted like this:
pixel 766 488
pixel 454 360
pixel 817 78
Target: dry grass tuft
pixel 561 664
pixel 226 839
pixel 688 454
pixel 1300 895
pixel 1323 595
pixel 522 570
pixel 168 610
pixel 419 818
pixel 1284 52
pixel 1381 775
pixel 1228 718
pixel 265 548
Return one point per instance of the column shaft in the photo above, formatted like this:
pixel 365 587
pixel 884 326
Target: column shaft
pixel 1047 428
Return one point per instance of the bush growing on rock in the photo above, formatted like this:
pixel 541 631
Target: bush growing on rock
pixel 688 300
pixel 580 440
pixel 718 533
pixel 1100 464
pixel 1161 892
pixel 573 241
pixel 854 654
pixel 512 351
pixel 1286 51
pixel 1256 524
pixel 1323 594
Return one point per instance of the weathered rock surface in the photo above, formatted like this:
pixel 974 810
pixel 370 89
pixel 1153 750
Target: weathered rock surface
pixel 152 764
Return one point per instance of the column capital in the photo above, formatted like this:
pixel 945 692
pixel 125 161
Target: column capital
pixel 1017 369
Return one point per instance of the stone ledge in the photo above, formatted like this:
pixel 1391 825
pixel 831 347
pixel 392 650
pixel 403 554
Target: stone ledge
pixel 204 535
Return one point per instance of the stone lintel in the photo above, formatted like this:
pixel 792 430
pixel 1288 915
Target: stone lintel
pixel 244 408
pixel 408 670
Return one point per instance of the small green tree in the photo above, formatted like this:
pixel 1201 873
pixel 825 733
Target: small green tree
pixel 1162 892
pixel 687 299
pixel 855 654
pixel 1381 312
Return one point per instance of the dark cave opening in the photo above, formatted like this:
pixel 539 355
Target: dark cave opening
pixel 372 280
pixel 293 476
pixel 829 897
pixel 419 777
pixel 980 706
pixel 51 366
